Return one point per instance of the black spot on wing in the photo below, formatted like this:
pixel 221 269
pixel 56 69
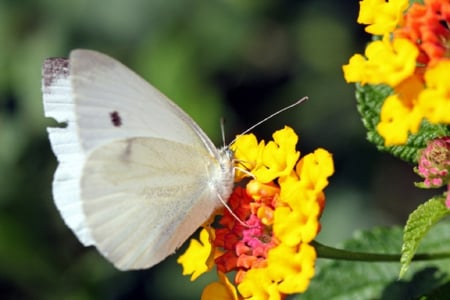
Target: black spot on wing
pixel 54 69
pixel 116 120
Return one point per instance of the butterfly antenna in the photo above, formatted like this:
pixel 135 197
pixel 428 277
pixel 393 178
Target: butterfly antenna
pixel 222 129
pixel 271 116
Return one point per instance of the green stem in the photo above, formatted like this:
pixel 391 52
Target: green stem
pixel 324 251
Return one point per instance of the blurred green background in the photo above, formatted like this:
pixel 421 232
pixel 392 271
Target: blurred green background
pixel 238 59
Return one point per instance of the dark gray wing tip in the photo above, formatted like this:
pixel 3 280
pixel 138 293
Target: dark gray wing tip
pixel 53 69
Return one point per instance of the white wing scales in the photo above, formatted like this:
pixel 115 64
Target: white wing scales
pixel 136 175
pixel 65 142
pixel 149 201
pixel 102 86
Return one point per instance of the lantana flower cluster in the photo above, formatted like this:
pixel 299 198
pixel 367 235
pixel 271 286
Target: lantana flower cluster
pixel 434 165
pixel 260 245
pixel 411 54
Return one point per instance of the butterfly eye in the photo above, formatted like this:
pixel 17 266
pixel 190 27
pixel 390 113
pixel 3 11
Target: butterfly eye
pixel 229 153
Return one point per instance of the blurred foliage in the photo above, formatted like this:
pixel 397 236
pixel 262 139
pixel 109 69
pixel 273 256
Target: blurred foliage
pixel 240 59
pixel 342 280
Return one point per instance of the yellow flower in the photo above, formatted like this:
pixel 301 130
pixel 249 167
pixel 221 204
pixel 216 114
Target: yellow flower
pixel 284 264
pixel 266 162
pixel 399 115
pixel 403 112
pixel 279 156
pixel 281 206
pixel 247 153
pixel 259 285
pixel 412 58
pixel 304 199
pixel 357 69
pixel 198 258
pixel 220 290
pixel 386 62
pixel 289 270
pixel 381 16
pixel 314 169
pixel 307 225
pixel 397 120
pixel 434 101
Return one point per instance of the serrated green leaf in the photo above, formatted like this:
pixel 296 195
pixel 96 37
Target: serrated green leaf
pixel 339 280
pixel 369 101
pixel 419 223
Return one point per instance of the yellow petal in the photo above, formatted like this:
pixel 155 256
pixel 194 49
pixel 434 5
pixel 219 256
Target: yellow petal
pixel 381 16
pixel 279 156
pixel 220 290
pixel 198 257
pixel 292 267
pixel 257 284
pixel 434 101
pixel 397 120
pixel 247 154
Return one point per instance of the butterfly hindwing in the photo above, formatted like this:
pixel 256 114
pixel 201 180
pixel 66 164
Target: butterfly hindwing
pixel 142 200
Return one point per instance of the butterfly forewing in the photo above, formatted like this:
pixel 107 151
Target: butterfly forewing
pixel 66 144
pixel 112 102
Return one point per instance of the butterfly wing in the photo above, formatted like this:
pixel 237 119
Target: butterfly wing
pixel 113 102
pixel 102 102
pixel 149 201
pixel 66 144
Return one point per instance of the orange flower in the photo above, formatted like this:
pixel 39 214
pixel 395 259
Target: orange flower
pixel 427 26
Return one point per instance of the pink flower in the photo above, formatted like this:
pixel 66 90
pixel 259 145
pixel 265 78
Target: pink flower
pixel 434 163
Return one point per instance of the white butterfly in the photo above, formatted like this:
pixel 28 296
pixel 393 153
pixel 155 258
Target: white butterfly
pixel 136 175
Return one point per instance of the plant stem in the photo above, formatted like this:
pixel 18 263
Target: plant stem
pixel 328 252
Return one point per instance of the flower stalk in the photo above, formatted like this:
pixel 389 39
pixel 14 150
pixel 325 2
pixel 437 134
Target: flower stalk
pixel 328 252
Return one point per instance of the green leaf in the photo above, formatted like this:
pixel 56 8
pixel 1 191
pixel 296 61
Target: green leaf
pixel 419 223
pixel 369 101
pixel 339 279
